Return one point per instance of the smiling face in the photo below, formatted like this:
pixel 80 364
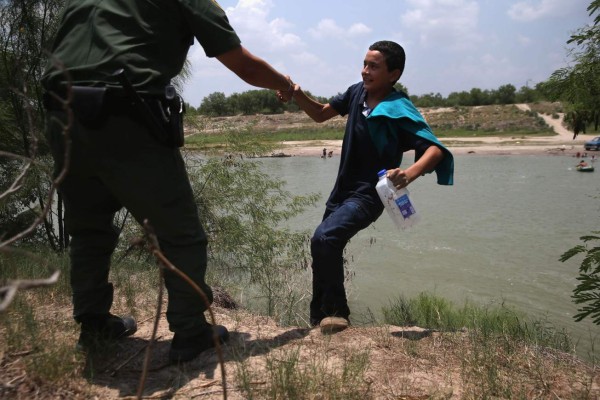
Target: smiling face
pixel 377 79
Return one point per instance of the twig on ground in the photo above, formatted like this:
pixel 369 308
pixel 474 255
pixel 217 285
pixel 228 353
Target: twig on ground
pixel 8 292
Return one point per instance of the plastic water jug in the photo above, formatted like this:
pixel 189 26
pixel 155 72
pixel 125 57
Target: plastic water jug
pixel 397 202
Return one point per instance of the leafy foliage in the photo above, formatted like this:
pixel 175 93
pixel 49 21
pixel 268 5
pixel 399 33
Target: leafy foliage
pixel 243 211
pixel 505 94
pixel 26 30
pixel 587 291
pixel 262 101
pixel 579 85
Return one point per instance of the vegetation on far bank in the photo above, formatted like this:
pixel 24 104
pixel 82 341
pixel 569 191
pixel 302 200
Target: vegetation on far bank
pixel 463 122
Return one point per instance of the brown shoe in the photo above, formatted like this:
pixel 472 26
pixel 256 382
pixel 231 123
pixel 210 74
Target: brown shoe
pixel 331 325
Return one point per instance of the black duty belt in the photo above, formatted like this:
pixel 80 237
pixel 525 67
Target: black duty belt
pixel 162 114
pixel 112 101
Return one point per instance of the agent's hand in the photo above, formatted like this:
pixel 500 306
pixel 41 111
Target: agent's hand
pixel 399 177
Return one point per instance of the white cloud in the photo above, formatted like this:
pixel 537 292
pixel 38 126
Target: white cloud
pixel 328 28
pixel 306 58
pixel 450 24
pixel 250 19
pixel 359 29
pixel 532 10
pixel 524 40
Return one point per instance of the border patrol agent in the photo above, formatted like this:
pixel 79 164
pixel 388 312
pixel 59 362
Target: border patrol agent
pixel 116 60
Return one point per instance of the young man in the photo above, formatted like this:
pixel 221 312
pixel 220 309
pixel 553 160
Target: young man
pixel 125 153
pixel 382 125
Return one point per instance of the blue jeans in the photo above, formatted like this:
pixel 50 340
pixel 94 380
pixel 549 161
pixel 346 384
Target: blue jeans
pixel 327 248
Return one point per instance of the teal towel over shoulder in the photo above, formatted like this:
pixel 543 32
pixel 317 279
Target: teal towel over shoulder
pixel 384 118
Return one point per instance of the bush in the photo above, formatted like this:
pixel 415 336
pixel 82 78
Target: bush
pixel 587 291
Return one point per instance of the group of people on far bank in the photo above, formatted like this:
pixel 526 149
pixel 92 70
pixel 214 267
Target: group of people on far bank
pixel 327 154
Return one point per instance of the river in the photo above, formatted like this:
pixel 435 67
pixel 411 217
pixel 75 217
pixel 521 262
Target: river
pixel 495 236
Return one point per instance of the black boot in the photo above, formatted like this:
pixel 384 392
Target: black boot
pixel 186 348
pixel 98 330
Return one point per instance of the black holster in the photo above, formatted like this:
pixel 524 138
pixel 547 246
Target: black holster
pixel 170 115
pixel 87 104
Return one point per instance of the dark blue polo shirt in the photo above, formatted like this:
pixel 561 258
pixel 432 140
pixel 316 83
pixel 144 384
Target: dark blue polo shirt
pixel 360 160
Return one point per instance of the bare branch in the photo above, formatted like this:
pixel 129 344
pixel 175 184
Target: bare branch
pixel 8 292
pixel 17 183
pixel 151 242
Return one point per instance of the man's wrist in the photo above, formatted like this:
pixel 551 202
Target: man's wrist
pixel 295 89
pixel 290 84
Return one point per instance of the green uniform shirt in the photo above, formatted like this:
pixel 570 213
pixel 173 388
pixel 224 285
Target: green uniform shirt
pixel 148 38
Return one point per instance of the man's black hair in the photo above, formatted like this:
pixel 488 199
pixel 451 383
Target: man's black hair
pixel 392 52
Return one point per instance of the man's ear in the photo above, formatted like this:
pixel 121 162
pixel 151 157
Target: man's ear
pixel 395 75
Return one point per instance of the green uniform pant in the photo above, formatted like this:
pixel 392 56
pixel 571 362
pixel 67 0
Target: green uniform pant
pixel 120 164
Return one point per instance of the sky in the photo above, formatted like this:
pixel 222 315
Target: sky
pixel 450 45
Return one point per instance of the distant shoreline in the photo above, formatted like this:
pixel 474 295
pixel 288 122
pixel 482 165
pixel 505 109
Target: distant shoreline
pixel 490 147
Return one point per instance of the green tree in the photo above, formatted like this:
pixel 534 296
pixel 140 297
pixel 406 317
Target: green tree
pixel 578 85
pixel 399 86
pixel 459 98
pixel 506 94
pixel 587 291
pixel 243 210
pixel 428 100
pixel 26 31
pixel 479 97
pixel 215 105
pixel 528 95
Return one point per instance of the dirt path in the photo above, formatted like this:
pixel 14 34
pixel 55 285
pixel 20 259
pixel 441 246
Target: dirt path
pixel 556 123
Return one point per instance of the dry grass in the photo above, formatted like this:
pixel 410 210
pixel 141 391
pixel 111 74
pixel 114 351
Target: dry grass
pixel 482 119
pixel 496 119
pixel 267 361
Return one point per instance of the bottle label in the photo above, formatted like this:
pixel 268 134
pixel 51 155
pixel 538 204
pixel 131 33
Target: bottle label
pixel 405 206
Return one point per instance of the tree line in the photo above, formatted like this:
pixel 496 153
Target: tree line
pixel 263 102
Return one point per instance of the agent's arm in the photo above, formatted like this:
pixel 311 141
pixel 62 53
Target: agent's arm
pixel 428 161
pixel 254 70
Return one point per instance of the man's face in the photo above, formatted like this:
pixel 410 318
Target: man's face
pixel 375 74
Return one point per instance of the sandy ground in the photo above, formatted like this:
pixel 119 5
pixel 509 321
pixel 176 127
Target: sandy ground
pixel 561 143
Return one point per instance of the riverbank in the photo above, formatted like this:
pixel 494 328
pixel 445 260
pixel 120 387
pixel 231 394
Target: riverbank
pixel 561 143
pixel 489 146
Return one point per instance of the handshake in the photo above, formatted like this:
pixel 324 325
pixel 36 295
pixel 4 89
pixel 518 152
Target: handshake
pixel 286 95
